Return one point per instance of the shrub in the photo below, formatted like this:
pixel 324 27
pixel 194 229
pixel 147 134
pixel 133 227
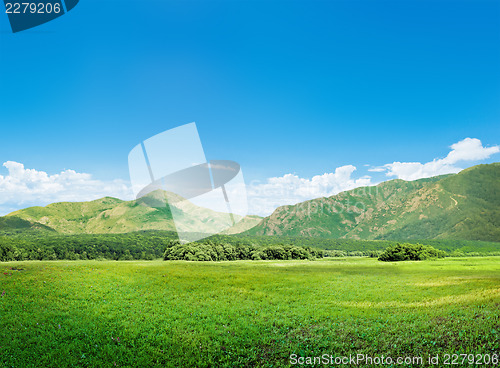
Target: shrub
pixel 336 253
pixel 356 254
pixel 374 254
pixel 410 252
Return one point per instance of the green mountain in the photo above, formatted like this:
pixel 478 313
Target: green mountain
pixel 112 215
pixel 458 206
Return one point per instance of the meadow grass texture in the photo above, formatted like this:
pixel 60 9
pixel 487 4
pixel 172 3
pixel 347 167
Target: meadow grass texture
pixel 244 313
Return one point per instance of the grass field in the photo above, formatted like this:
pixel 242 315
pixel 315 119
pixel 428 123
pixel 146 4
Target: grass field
pixel 244 313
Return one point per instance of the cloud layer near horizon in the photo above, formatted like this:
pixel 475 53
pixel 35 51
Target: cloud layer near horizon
pixel 23 187
pixel 291 189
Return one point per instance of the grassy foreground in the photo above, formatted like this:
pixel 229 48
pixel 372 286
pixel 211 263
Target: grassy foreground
pixel 244 313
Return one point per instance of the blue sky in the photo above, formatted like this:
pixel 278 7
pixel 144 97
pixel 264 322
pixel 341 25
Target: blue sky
pixel 282 87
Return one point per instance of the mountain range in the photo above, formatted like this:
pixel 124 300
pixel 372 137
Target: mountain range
pixel 112 215
pixel 456 206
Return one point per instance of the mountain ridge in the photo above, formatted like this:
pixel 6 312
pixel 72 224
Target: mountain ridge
pixel 462 206
pixel 113 215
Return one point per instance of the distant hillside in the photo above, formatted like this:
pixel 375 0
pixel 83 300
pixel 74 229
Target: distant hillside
pixel 461 206
pixel 12 225
pixel 112 215
pixel 245 224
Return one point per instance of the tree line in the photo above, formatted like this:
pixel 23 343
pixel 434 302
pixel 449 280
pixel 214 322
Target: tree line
pixel 211 250
pixel 144 245
pixel 129 246
pixel 153 244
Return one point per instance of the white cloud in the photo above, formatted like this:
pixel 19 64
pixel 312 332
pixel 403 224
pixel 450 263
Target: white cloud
pixel 469 149
pixel 264 198
pixel 23 187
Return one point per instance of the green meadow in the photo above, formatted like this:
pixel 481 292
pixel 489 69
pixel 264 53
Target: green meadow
pixel 245 313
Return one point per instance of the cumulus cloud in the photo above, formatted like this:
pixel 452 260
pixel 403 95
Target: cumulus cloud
pixel 23 187
pixel 265 197
pixel 469 149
